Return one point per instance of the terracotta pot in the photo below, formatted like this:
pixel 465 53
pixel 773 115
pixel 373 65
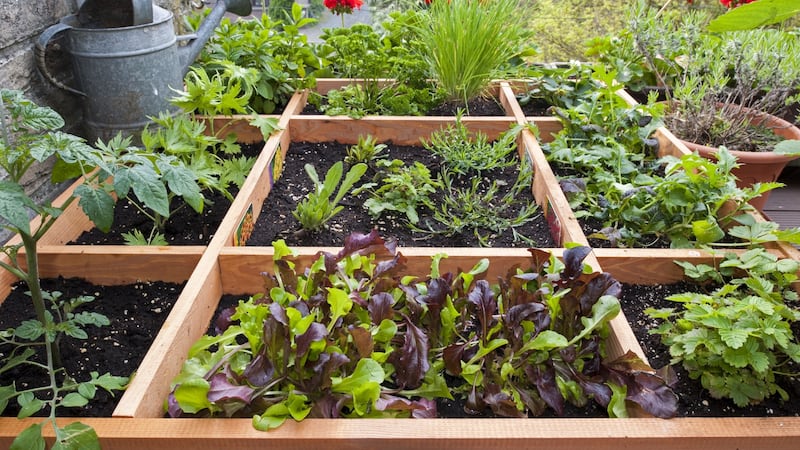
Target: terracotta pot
pixel 757 167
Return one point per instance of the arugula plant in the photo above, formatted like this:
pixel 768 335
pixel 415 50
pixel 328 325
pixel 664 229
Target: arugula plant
pixel 481 209
pixel 320 205
pixel 354 335
pixel 28 135
pixel 736 335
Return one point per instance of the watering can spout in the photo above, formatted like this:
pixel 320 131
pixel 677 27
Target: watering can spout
pixel 189 53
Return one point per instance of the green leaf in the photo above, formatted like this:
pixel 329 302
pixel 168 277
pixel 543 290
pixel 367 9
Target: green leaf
pixel 788 147
pixel 754 15
pixel 267 125
pixel 617 407
pixel 28 405
pixel 605 309
pixel 192 395
pixel 546 341
pixel 183 182
pixel 30 330
pixel 29 439
pixel 367 370
pixel 76 436
pixel 42 118
pixel 272 418
pixel 87 390
pixel 13 202
pixel 74 399
pixel 340 305
pixel 7 393
pixel 98 205
pixel 707 231
pixel 734 337
pixel 149 189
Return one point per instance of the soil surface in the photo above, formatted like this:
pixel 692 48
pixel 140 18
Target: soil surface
pixel 136 313
pixel 277 222
pixel 477 107
pixel 185 226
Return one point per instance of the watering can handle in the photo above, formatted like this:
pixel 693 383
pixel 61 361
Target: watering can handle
pixel 41 55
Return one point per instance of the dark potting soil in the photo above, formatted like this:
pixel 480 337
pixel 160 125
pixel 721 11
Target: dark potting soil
pixel 536 107
pixel 136 312
pixel 477 107
pixel 277 222
pixel 693 400
pixel 185 226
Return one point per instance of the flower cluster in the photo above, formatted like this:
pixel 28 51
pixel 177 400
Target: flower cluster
pixel 728 3
pixel 340 7
pixel 734 3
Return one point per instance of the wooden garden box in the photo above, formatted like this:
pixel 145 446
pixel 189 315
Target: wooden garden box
pixel 223 268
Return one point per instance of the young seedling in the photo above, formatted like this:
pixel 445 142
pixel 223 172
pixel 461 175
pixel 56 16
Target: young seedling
pixel 318 207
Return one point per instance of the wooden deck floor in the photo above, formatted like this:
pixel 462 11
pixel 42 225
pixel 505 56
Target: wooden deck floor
pixel 783 205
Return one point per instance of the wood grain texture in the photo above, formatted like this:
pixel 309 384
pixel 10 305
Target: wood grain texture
pixel 441 434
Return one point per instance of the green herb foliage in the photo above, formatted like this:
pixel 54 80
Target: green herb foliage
pixel 736 337
pixel 319 206
pixel 402 188
pixel 468 43
pixel 275 52
pixel 391 78
pixel 354 335
pixel 28 136
pixel 464 151
pixel 481 209
pixel 610 172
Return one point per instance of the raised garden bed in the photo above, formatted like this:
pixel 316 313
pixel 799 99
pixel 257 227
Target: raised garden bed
pixel 222 268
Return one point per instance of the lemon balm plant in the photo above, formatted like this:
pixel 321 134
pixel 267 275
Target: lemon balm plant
pixel 469 42
pixel 28 135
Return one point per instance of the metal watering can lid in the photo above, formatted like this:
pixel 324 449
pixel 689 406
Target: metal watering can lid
pixel 114 13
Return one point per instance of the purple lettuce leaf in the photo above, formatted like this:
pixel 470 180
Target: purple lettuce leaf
pixel 411 359
pixel 485 303
pixel 420 409
pixel 221 390
pixel 380 307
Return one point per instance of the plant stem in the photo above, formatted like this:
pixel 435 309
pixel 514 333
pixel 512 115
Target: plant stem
pixel 35 288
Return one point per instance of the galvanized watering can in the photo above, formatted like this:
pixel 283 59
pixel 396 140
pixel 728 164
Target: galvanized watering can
pixel 126 59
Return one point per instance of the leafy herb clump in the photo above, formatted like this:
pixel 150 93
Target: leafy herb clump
pixel 737 338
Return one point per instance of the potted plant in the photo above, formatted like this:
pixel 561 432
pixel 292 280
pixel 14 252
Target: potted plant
pixel 726 90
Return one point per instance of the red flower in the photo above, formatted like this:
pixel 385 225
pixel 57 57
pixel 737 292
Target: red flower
pixel 734 3
pixel 342 6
